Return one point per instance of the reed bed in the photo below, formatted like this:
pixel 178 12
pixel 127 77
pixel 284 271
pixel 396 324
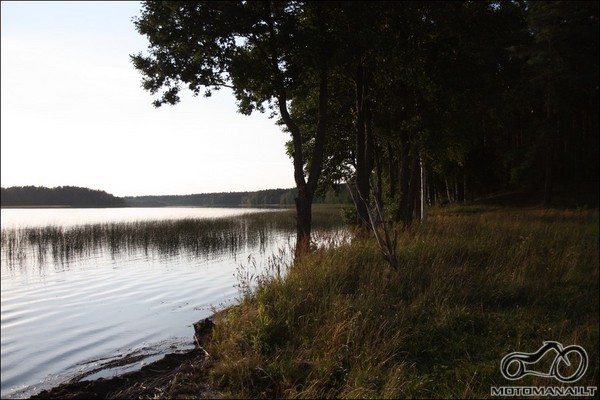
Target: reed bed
pixel 194 237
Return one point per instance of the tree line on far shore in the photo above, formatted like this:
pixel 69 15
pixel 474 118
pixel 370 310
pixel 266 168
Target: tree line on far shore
pixel 32 196
pixel 284 197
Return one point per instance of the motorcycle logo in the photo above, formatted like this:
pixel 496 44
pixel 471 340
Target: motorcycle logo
pixel 522 360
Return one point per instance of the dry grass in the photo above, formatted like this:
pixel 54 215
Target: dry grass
pixel 472 287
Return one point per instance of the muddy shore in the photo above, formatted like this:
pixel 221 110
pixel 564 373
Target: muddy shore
pixel 178 375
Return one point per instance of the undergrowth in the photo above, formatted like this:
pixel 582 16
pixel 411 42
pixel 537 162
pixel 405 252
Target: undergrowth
pixel 471 288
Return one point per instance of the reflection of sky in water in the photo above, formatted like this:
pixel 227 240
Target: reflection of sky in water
pixel 56 317
pixel 22 217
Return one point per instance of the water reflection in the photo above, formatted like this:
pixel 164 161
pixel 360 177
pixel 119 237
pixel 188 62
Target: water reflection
pixel 207 238
pixel 76 293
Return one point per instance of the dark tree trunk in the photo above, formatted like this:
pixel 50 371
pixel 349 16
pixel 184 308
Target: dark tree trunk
pixel 306 188
pixel 410 181
pixel 547 176
pixel 423 185
pixel 305 209
pixel 404 177
pixel 379 173
pixel 303 219
pixel 392 172
pixel 413 190
pixel 364 149
pixel 548 170
pixel 304 199
pixel 417 187
pixel 465 186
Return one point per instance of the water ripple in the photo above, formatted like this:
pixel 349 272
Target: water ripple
pixel 63 315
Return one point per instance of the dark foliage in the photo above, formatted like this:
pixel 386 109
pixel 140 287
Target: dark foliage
pixel 59 196
pixel 411 103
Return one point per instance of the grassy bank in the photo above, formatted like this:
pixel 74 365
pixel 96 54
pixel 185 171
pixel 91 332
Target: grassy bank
pixel 474 285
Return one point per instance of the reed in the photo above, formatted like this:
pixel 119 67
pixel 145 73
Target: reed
pixel 196 237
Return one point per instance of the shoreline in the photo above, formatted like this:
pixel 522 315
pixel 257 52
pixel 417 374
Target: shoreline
pixel 174 375
pixel 343 324
pixel 151 380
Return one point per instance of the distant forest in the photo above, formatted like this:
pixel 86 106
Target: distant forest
pixel 337 195
pixel 71 196
pixel 33 196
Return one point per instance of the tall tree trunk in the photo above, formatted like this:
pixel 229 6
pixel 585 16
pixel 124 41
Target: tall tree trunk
pixel 547 196
pixel 465 185
pixel 306 189
pixel 448 190
pixel 303 219
pixel 392 171
pixel 304 198
pixel 379 174
pixel 547 176
pixel 418 190
pixel 456 193
pixel 404 177
pixel 305 211
pixel 413 191
pixel 364 148
pixel 423 190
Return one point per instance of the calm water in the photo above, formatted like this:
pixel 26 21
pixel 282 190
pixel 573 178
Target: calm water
pixel 62 319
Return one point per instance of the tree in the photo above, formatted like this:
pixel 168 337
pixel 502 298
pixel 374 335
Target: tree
pixel 563 70
pixel 264 51
pixel 73 196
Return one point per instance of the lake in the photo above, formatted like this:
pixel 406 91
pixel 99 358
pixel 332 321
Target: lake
pixel 84 288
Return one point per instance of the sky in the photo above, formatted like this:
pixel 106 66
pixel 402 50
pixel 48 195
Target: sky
pixel 73 113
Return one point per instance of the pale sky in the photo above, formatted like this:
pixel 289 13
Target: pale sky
pixel 73 113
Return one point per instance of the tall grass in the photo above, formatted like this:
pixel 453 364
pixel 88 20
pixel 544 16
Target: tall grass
pixel 471 287
pixel 196 237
